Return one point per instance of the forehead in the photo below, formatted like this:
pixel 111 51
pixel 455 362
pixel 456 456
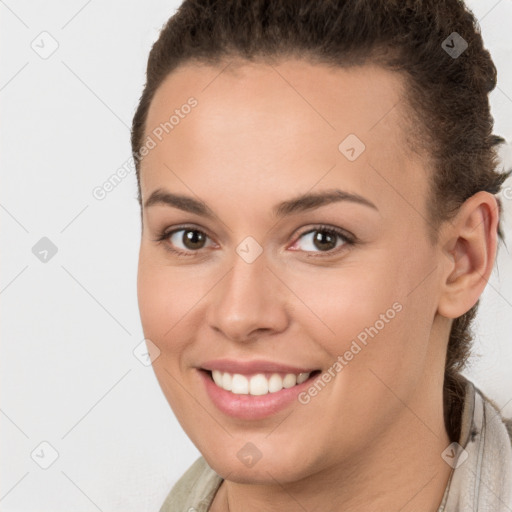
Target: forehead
pixel 286 122
pixel 331 99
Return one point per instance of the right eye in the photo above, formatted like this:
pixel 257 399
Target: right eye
pixel 185 241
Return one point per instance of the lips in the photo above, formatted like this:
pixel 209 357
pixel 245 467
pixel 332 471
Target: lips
pixel 253 367
pixel 275 386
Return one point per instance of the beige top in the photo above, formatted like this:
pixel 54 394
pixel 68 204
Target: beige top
pixel 481 480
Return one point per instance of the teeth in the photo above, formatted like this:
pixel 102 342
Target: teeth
pixel 240 384
pixel 289 380
pixel 217 378
pixel 226 381
pixel 275 383
pixel 257 384
pixel 302 377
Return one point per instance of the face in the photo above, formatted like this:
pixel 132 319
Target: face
pixel 287 237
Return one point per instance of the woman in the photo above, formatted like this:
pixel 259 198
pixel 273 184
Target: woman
pixel 318 182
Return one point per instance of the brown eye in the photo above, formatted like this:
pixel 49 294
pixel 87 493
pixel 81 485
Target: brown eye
pixel 193 239
pixel 322 240
pixel 187 239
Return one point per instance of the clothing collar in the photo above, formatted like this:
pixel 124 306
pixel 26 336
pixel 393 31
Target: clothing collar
pixel 482 476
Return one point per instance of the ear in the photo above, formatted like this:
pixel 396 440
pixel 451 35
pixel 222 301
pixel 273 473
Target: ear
pixel 469 245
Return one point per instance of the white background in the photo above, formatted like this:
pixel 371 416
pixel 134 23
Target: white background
pixel 69 326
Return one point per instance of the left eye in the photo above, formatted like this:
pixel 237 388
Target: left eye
pixel 322 240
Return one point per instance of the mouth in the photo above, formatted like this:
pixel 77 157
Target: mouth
pixel 254 396
pixel 258 384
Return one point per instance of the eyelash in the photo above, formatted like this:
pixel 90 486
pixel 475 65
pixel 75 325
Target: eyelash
pixel 349 240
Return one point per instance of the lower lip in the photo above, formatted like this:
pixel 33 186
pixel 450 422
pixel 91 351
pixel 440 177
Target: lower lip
pixel 252 407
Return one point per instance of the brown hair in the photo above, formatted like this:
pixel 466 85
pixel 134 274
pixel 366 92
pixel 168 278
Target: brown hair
pixel 447 95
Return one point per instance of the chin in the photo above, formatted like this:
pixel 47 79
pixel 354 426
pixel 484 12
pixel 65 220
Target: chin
pixel 265 467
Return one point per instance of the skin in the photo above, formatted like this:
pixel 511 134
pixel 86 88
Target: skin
pixel 372 439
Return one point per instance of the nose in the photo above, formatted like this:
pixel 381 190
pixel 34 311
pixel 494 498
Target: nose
pixel 248 302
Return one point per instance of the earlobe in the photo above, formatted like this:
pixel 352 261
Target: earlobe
pixel 469 252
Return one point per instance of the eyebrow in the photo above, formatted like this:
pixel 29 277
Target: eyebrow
pixel 302 203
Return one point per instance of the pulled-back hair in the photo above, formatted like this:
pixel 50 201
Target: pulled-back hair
pixel 446 94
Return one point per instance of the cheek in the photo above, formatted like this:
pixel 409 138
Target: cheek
pixel 368 329
pixel 338 304
pixel 165 295
pixel 367 314
pixel 172 301
pixel 161 306
pixel 154 298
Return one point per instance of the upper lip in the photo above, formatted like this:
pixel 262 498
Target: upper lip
pixel 251 367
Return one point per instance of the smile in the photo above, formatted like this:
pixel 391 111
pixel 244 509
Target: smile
pixel 257 384
pixel 254 395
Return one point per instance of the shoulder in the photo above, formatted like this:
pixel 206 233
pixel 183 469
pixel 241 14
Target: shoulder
pixel 194 490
